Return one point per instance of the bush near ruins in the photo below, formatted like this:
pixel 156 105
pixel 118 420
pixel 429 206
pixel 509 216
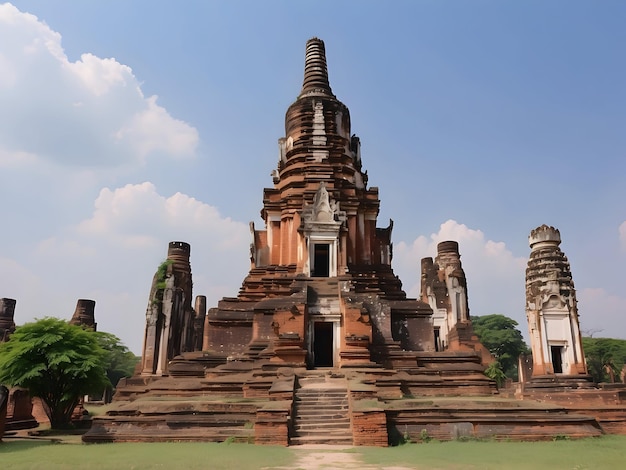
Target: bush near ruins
pixel 605 358
pixel 56 362
pixel 500 335
pixel 119 361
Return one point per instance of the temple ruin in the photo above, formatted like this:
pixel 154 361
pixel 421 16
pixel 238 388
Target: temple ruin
pixel 321 344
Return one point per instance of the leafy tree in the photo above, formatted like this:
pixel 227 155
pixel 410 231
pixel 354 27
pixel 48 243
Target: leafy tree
pixel 605 358
pixel 56 362
pixel 119 361
pixel 500 335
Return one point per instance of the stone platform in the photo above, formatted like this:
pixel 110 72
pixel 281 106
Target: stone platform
pixel 379 407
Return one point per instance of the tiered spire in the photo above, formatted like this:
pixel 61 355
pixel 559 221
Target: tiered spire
pixel 315 69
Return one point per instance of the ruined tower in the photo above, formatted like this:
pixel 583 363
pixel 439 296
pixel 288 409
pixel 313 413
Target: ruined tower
pixel 84 315
pixel 169 316
pixel 551 308
pixel 444 287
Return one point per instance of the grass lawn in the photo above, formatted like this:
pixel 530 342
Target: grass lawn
pixel 600 453
pixel 607 452
pixel 168 455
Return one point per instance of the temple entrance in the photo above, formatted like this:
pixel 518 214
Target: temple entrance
pixel 557 359
pixel 321 260
pixel 323 344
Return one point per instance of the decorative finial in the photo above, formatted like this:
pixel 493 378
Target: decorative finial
pixel 544 235
pixel 315 69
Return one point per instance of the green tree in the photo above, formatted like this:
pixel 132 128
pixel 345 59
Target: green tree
pixel 119 361
pixel 500 335
pixel 56 362
pixel 605 358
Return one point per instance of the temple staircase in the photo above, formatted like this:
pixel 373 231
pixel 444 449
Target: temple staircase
pixel 321 411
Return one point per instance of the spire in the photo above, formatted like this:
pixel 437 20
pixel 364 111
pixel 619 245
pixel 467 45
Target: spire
pixel 315 70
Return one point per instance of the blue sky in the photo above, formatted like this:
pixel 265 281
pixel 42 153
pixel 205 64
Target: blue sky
pixel 124 125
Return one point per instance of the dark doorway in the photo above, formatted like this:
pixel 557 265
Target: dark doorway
pixel 557 359
pixel 323 344
pixel 321 261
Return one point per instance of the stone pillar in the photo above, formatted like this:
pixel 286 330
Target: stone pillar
pixel 7 324
pixel 198 325
pixel 84 315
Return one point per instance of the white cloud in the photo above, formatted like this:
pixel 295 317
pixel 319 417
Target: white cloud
pixel 112 255
pixel 495 277
pixel 16 159
pixel 88 112
pixel 622 235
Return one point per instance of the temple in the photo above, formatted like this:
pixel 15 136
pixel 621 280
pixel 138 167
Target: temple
pixel 321 291
pixel 321 344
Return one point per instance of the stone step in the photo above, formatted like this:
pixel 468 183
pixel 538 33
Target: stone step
pixel 331 408
pixel 322 422
pixel 317 397
pixel 337 425
pixel 333 440
pixel 311 431
pixel 317 393
pixel 321 401
pixel 330 414
pixel 321 411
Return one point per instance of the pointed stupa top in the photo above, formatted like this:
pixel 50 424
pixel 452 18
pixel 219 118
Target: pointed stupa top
pixel 315 69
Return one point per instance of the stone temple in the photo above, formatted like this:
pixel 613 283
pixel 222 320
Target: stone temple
pixel 321 291
pixel 320 344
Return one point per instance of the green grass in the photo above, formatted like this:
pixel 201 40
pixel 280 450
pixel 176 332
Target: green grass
pixel 605 452
pixel 599 453
pixel 137 456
